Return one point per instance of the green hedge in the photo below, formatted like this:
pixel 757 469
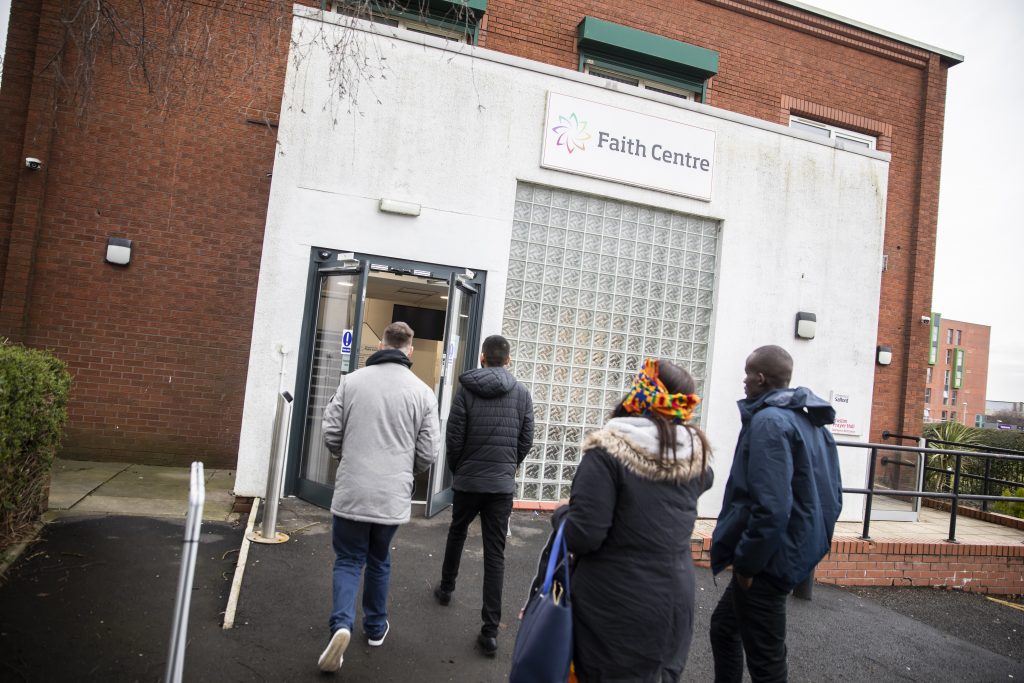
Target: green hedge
pixel 34 389
pixel 1010 439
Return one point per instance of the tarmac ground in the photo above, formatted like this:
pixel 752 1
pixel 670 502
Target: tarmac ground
pixel 92 600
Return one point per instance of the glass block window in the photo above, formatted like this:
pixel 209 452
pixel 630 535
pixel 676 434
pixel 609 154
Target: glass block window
pixel 594 286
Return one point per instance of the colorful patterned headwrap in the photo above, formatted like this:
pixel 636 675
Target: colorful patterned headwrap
pixel 648 395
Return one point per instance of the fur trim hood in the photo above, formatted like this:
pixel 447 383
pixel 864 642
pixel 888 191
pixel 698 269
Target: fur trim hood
pixel 633 441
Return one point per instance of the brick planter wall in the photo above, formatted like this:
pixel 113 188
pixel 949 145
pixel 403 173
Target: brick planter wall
pixel 996 569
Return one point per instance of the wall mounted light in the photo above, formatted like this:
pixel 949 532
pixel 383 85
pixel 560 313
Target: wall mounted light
pixel 402 208
pixel 884 354
pixel 119 251
pixel 806 325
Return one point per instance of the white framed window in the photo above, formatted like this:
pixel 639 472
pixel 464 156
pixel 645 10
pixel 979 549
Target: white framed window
pixel 949 335
pixel 949 356
pixel 456 35
pixel 929 375
pixel 827 130
pixel 959 336
pixel 645 83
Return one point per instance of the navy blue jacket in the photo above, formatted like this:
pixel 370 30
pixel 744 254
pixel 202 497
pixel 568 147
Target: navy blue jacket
pixel 490 431
pixel 784 492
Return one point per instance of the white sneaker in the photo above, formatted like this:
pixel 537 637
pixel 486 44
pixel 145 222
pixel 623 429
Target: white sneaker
pixel 377 642
pixel 334 654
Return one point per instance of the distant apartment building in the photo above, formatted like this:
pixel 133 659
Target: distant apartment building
pixel 957 372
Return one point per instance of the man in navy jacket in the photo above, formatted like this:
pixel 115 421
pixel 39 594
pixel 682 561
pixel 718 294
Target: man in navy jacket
pixel 780 508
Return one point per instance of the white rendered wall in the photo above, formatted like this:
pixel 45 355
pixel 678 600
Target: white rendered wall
pixel 454 131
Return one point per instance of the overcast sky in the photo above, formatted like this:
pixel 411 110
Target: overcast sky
pixel 979 262
pixel 979 269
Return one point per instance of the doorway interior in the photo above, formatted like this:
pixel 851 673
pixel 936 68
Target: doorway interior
pixel 351 299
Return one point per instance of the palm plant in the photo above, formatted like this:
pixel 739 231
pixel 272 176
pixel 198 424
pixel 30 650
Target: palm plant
pixel 961 437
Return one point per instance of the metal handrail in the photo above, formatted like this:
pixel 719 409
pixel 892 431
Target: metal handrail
pixel 955 496
pixel 939 470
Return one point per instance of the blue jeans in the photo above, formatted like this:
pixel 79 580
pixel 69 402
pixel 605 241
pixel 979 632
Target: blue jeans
pixel 359 544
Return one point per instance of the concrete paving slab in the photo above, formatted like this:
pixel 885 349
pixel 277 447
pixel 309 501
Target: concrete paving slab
pixel 157 482
pixel 73 480
pixel 130 506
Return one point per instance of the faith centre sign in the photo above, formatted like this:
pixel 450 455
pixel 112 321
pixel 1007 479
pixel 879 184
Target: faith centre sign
pixel 627 147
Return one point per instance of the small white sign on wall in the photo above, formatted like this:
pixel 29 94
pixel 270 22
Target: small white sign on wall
pixel 846 411
pixel 625 146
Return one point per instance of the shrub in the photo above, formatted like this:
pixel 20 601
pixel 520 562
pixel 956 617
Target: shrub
pixel 33 409
pixel 1008 507
pixel 973 439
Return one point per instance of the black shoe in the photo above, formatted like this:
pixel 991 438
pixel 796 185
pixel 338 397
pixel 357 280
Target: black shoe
pixel 487 644
pixel 443 596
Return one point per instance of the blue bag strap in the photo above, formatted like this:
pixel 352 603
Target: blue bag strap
pixel 559 549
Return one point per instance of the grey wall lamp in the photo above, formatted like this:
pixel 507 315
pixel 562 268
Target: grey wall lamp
pixel 119 251
pixel 806 325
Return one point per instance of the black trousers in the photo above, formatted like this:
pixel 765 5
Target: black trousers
pixel 753 622
pixel 494 510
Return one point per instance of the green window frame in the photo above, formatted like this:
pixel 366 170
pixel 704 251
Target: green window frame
pixel 612 47
pixel 933 348
pixel 958 368
pixel 450 16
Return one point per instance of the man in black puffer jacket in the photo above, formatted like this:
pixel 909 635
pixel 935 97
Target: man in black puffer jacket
pixel 490 431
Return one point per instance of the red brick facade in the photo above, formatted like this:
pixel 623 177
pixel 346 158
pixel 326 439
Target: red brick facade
pixel 159 349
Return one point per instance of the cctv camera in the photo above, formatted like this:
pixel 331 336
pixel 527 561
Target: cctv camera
pixel 33 164
pixel 925 319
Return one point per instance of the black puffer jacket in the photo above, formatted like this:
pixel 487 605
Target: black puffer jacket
pixel 490 431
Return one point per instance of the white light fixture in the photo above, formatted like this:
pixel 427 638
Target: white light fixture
pixel 119 251
pixel 806 325
pixel 401 208
pixel 884 354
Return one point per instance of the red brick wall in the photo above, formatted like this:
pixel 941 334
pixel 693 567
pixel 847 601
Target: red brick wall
pixel 159 349
pixel 995 569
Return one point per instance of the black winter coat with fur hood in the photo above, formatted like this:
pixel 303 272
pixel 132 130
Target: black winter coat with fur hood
pixel 628 522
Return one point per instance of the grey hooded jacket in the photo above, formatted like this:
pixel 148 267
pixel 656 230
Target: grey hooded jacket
pixel 382 423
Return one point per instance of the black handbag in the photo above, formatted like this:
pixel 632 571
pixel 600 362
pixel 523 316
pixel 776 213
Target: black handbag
pixel 543 649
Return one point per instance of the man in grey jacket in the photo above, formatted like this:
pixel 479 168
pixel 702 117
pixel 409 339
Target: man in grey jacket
pixel 490 431
pixel 382 424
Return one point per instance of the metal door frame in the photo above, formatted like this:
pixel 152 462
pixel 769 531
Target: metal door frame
pixel 322 262
pixel 458 286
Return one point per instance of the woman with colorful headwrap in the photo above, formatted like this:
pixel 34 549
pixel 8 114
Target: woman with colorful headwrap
pixel 628 524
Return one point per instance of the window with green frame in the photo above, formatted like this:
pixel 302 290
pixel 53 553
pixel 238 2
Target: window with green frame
pixel 646 60
pixel 457 20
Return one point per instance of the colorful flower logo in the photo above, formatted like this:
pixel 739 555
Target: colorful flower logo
pixel 572 133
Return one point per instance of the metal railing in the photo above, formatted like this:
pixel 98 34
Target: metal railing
pixel 954 496
pixel 189 548
pixel 986 478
